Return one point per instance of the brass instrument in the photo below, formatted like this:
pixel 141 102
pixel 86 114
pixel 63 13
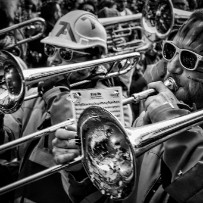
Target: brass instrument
pixel 159 19
pixel 124 33
pixel 15 79
pixel 136 98
pixel 109 151
pixel 120 19
pixel 30 25
pixel 180 16
pixel 125 68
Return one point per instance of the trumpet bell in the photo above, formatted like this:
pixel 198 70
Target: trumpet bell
pixel 108 157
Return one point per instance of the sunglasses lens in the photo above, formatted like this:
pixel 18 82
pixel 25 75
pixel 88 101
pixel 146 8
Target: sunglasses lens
pixel 49 50
pixel 188 59
pixel 168 51
pixel 66 54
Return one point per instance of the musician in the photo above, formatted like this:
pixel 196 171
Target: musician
pixel 8 13
pixel 172 171
pixel 83 38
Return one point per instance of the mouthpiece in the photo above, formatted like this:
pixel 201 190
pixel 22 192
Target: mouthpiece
pixel 171 84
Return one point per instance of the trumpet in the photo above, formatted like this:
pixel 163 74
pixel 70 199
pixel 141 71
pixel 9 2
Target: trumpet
pixel 37 21
pixel 15 79
pixel 109 151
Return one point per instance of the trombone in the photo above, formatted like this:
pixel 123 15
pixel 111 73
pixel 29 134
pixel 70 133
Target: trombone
pixel 116 144
pixel 100 76
pixel 136 98
pixel 31 22
pixel 15 79
pixel 114 150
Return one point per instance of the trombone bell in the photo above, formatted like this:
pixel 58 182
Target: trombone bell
pixel 108 154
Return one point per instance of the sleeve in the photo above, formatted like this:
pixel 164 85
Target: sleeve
pixel 59 109
pixel 166 112
pixel 183 164
pixel 10 130
pixel 58 104
pixel 182 161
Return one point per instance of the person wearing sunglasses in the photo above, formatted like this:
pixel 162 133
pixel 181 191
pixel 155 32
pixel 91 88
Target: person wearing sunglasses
pixel 77 36
pixel 172 171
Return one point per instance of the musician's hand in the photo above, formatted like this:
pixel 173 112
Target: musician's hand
pixel 164 96
pixel 65 146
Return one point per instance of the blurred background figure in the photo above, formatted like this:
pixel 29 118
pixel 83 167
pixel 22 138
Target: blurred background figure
pixel 50 12
pixel 88 6
pixel 139 4
pixel 199 3
pixel 77 4
pixel 193 5
pixel 132 5
pixel 31 8
pixel 9 13
pixel 121 6
pixel 181 4
pixel 107 8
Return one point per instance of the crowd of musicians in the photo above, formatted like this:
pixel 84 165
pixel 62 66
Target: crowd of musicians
pixel 168 173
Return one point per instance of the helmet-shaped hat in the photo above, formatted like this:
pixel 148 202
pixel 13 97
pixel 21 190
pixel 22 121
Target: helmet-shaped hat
pixel 78 30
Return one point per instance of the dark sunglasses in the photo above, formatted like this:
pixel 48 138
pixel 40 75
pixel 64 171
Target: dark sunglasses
pixel 188 59
pixel 65 53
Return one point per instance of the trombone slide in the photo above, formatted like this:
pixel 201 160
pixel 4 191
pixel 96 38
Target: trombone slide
pixel 35 135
